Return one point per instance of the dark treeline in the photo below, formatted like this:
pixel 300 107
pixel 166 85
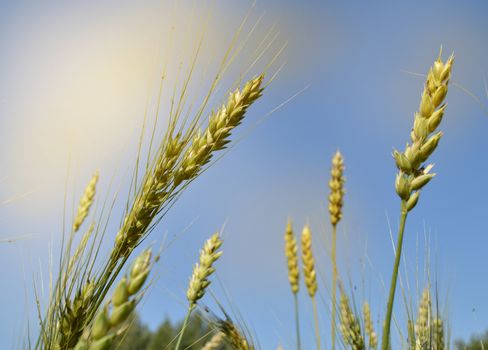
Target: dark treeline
pixel 140 337
pixel 476 342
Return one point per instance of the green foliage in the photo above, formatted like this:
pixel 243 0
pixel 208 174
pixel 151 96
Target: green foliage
pixel 477 342
pixel 140 337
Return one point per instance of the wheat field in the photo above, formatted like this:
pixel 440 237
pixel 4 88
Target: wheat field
pixel 269 176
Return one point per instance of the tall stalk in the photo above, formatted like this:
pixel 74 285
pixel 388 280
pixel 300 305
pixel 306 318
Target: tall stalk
pixel 291 252
pixel 316 321
pixel 310 275
pixel 297 322
pixel 394 277
pixel 183 327
pixel 413 172
pixel 336 201
pixel 334 284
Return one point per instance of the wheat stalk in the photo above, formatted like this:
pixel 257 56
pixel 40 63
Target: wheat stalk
pixel 336 201
pixel 412 175
pixel 310 275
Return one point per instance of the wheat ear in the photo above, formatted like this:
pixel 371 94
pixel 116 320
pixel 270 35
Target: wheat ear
pixel 181 161
pixel 180 158
pixel 291 252
pixel 310 276
pixel 86 202
pixel 438 334
pixel 412 176
pixel 199 278
pixel 369 327
pixel 71 318
pixel 234 336
pixel 422 324
pixel 109 323
pixel 336 200
pixel 350 327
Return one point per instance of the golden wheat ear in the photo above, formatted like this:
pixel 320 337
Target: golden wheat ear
pixel 180 162
pixel 86 202
pixel 199 280
pixel 350 326
pixel 310 276
pixel 413 175
pixel 413 167
pixel 291 253
pixel 336 201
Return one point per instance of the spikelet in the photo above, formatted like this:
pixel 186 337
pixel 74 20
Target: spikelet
pixel 86 202
pixel 109 322
pixel 438 334
pixel 422 324
pixel 336 185
pixel 291 252
pixel 350 327
pixel 215 342
pixel 309 272
pixel 181 161
pixel 203 269
pixel 369 328
pixel 412 177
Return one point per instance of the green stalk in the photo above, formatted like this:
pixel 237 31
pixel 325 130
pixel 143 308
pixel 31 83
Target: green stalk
pixel 316 320
pixel 297 321
pixel 334 284
pixel 185 323
pixel 389 308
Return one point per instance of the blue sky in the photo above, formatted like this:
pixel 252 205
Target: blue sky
pixel 74 81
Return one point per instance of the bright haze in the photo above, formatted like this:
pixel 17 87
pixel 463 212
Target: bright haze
pixel 77 77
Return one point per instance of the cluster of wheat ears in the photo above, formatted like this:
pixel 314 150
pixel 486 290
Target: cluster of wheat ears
pixel 356 330
pixel 92 299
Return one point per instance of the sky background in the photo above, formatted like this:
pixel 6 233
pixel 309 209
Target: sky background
pixel 75 78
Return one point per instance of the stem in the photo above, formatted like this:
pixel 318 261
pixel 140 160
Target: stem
pixel 389 308
pixel 334 283
pixel 185 323
pixel 316 319
pixel 297 321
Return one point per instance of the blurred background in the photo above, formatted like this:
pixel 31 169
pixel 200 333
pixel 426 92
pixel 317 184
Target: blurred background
pixel 77 77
